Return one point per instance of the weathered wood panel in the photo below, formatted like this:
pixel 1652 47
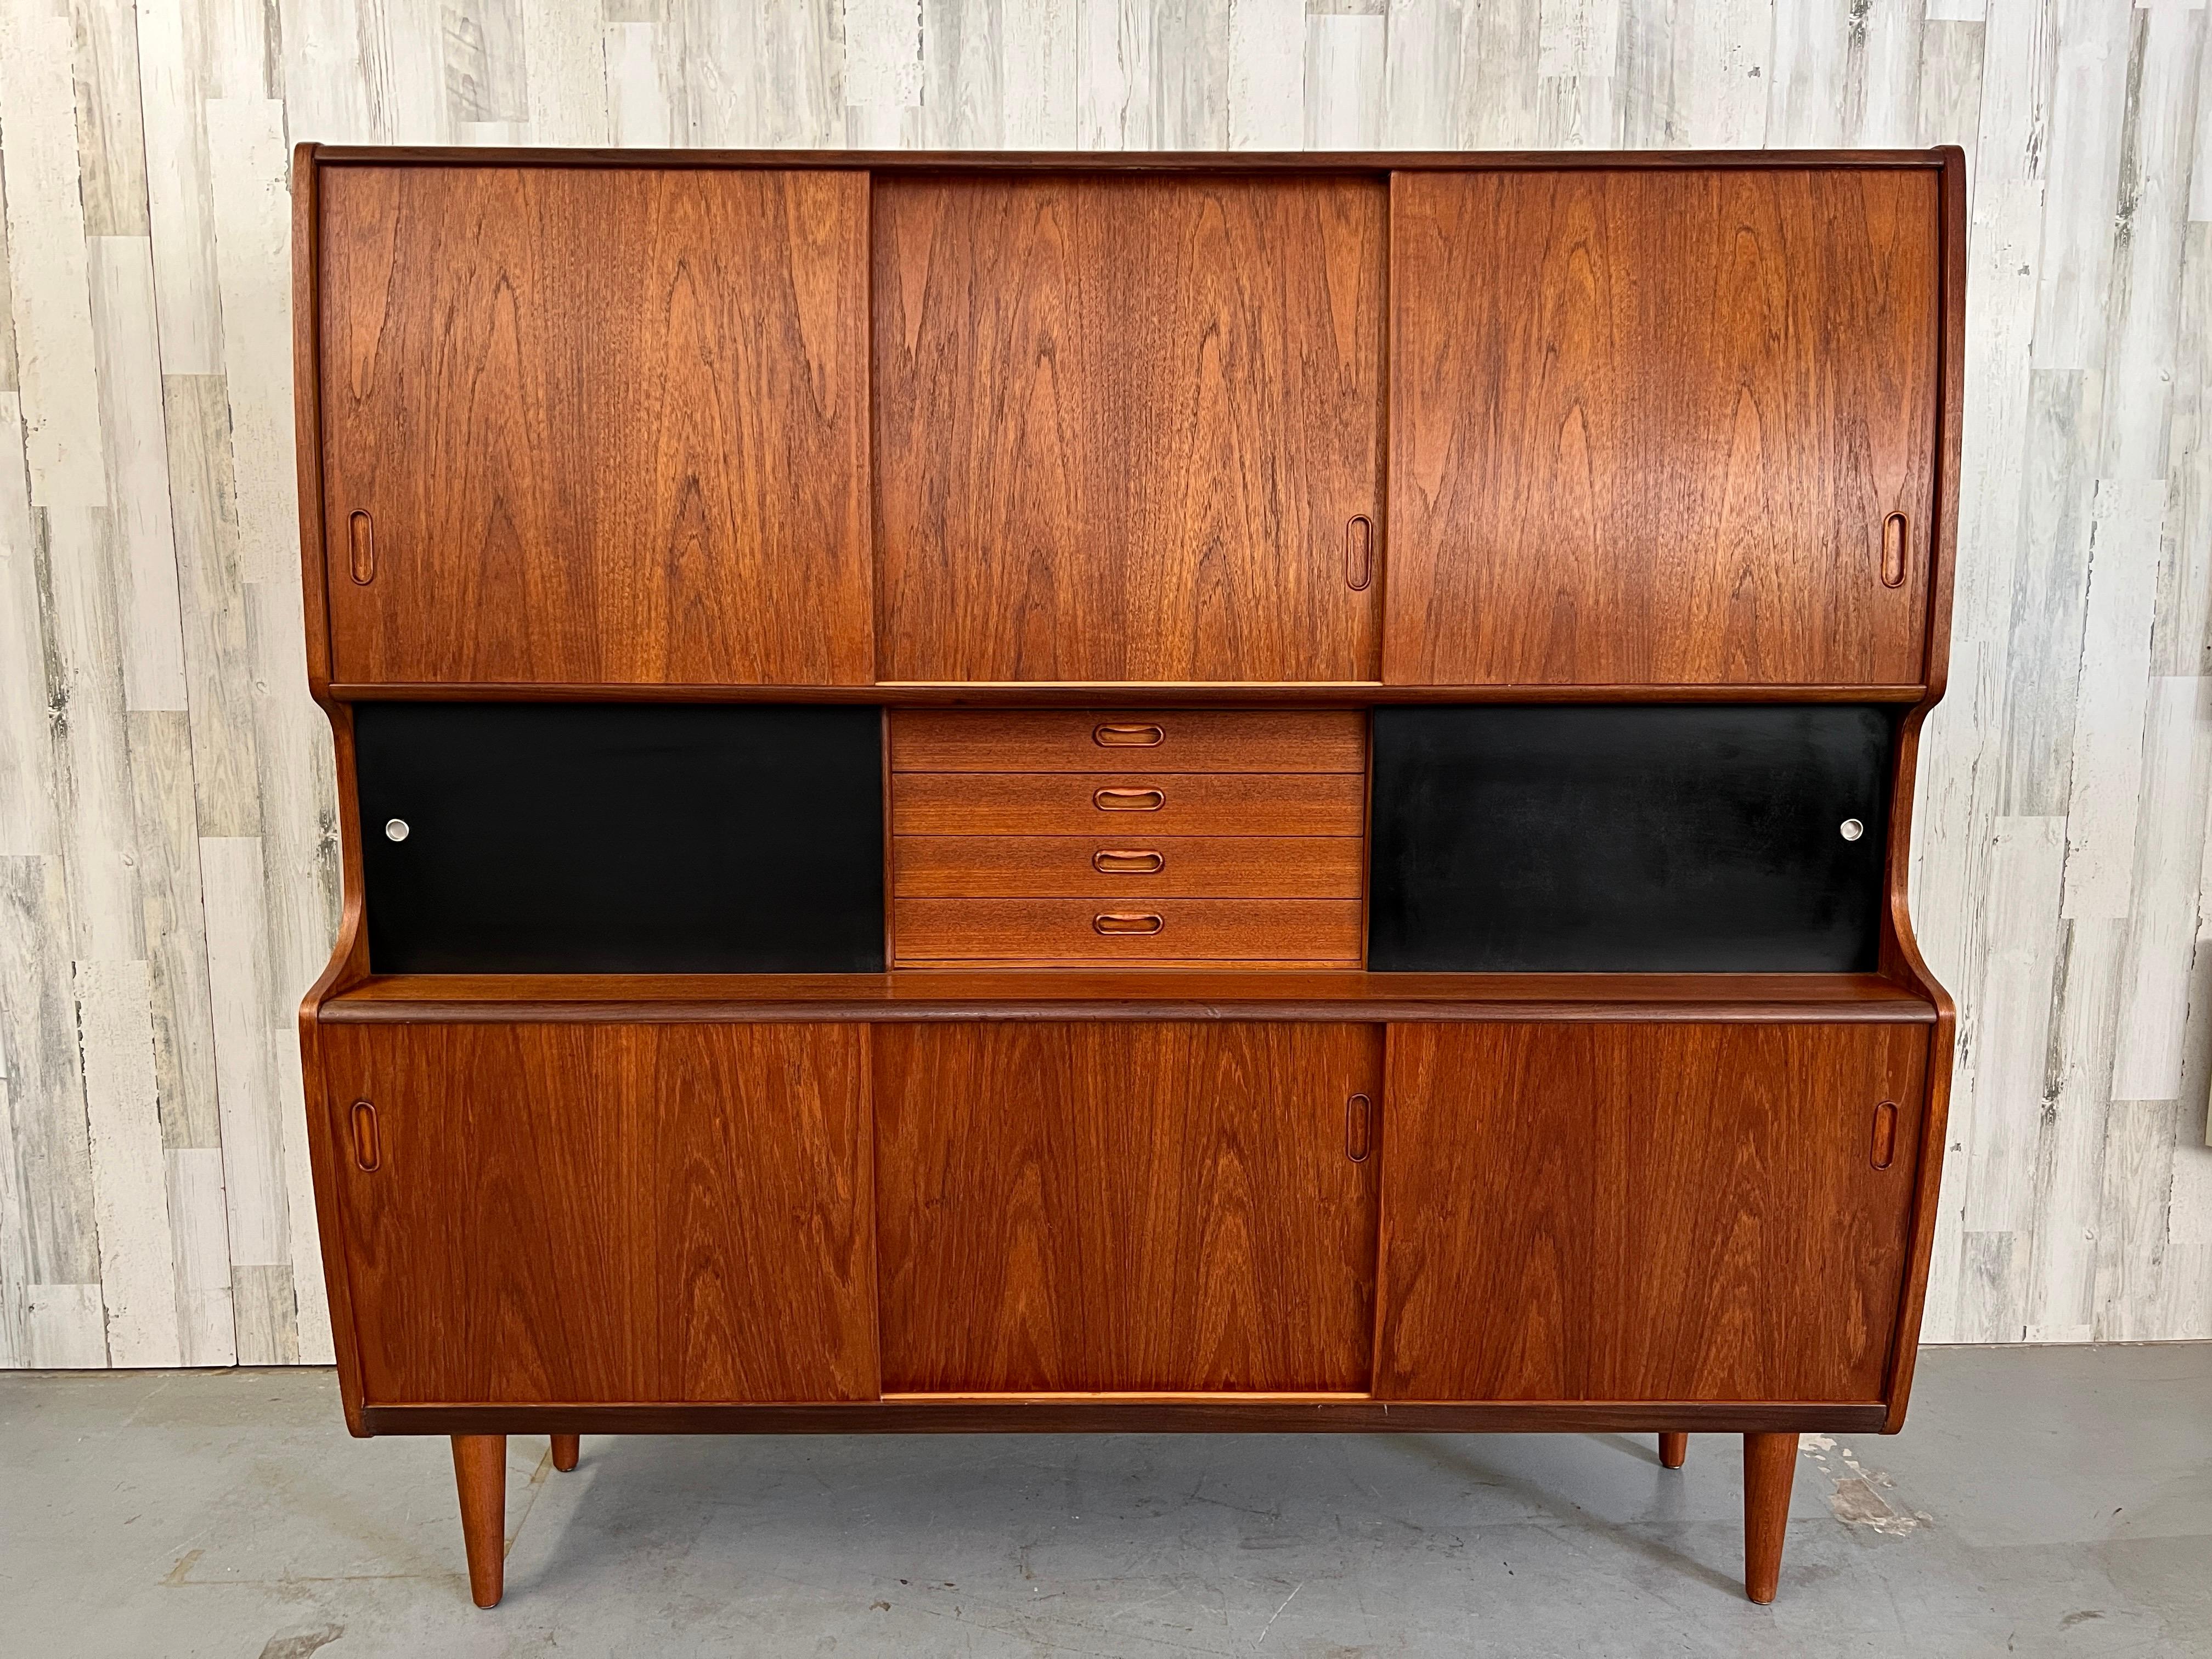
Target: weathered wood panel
pixel 148 547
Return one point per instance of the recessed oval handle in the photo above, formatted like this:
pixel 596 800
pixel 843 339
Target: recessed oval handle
pixel 368 1146
pixel 1121 922
pixel 1127 736
pixel 1110 863
pixel 1128 801
pixel 1892 550
pixel 1885 1134
pixel 361 540
pixel 1358 552
pixel 1358 1128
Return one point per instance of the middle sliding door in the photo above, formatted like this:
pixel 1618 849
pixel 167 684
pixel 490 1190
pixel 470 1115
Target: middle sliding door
pixel 1111 1205
pixel 1128 427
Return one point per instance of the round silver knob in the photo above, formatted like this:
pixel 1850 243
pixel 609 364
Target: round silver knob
pixel 1852 828
pixel 396 830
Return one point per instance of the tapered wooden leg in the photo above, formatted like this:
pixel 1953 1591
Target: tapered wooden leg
pixel 480 1471
pixel 1770 1465
pixel 566 1450
pixel 1673 1449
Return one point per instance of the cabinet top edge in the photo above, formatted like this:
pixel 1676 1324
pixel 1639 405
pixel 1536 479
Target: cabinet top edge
pixel 1125 994
pixel 1152 694
pixel 910 160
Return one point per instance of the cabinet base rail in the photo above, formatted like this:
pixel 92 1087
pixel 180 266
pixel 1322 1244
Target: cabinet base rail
pixel 1125 1414
pixel 1769 1467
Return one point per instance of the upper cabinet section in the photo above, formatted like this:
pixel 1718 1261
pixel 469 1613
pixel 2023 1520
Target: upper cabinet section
pixel 1659 427
pixel 1516 427
pixel 1129 426
pixel 595 425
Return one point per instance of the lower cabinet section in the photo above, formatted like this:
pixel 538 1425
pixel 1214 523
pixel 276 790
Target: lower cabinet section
pixel 578 1213
pixel 1646 1212
pixel 1109 1206
pixel 586 1213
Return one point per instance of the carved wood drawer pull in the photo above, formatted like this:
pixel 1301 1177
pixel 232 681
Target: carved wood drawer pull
pixel 1128 801
pixel 368 1147
pixel 1892 550
pixel 1358 1128
pixel 1358 552
pixel 361 538
pixel 1114 922
pixel 1128 864
pixel 1885 1134
pixel 1128 737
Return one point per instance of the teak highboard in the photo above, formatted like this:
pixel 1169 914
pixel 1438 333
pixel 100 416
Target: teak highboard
pixel 1127 791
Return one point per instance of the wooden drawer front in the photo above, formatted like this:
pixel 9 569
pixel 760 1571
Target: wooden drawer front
pixel 1158 741
pixel 1321 930
pixel 1231 835
pixel 1127 804
pixel 1127 866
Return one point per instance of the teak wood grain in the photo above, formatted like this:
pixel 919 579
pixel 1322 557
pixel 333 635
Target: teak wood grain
pixel 1068 803
pixel 1646 1212
pixel 1306 931
pixel 1141 1208
pixel 608 1213
pixel 1132 866
pixel 1647 425
pixel 1124 424
pixel 1160 739
pixel 605 428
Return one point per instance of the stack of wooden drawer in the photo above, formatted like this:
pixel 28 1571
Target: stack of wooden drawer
pixel 1171 837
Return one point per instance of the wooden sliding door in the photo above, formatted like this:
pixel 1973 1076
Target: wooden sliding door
pixel 1647 1212
pixel 596 424
pixel 1106 1205
pixel 1129 426
pixel 1662 426
pixel 575 1214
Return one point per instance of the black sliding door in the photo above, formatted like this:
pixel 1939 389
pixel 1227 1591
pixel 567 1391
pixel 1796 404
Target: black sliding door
pixel 607 838
pixel 1712 838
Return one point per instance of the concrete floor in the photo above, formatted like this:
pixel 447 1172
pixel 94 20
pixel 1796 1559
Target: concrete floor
pixel 2041 1501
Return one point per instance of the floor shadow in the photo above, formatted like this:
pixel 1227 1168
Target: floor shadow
pixel 645 1476
pixel 1451 1451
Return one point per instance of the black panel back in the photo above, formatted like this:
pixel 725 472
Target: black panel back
pixel 1650 838
pixel 605 838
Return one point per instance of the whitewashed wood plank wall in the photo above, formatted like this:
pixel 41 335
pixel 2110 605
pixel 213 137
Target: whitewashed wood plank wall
pixel 167 877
